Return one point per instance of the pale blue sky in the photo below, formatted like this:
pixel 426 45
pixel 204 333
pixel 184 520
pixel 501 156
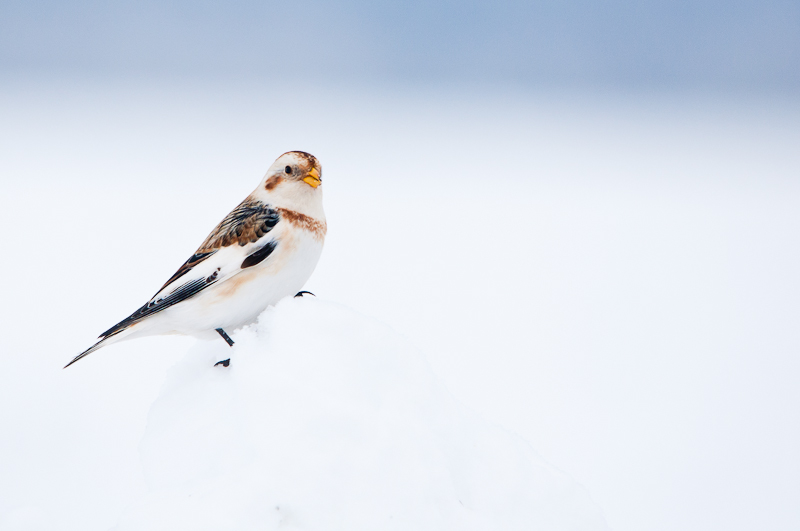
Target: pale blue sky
pixel 681 44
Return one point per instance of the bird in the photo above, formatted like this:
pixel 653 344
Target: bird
pixel 263 251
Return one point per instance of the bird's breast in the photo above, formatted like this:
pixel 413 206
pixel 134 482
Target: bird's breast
pixel 314 227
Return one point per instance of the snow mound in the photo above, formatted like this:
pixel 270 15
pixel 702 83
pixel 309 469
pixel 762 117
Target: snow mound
pixel 327 419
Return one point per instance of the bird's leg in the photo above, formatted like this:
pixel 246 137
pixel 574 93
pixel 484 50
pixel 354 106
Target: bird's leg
pixel 225 336
pixel 229 341
pixel 300 294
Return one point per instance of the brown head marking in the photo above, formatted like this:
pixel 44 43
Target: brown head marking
pixel 272 182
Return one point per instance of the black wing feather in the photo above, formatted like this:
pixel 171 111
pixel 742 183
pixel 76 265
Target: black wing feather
pixel 260 255
pixel 181 294
pixel 247 223
pixel 187 266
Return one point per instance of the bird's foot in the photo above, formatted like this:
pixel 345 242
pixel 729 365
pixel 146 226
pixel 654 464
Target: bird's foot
pixel 224 363
pixel 300 294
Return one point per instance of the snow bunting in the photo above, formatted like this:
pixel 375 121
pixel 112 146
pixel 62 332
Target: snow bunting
pixel 264 250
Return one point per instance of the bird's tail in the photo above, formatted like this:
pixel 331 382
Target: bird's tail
pixel 104 341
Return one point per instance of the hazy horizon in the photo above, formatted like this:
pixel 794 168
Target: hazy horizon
pixel 577 45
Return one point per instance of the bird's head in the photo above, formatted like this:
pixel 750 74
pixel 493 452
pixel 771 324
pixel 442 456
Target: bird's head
pixel 294 181
pixel 294 168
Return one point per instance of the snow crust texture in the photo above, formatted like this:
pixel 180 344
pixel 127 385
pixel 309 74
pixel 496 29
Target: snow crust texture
pixel 327 419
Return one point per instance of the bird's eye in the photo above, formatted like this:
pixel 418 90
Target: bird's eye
pixel 288 170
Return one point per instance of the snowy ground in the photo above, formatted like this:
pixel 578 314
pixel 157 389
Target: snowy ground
pixel 615 281
pixel 328 420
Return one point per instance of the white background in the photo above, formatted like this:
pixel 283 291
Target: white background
pixel 615 279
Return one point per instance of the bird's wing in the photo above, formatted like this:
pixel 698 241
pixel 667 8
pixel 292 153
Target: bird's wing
pixel 240 241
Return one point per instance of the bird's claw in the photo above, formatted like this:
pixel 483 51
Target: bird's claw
pixel 224 363
pixel 300 294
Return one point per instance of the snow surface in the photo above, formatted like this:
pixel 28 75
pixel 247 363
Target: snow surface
pixel 327 419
